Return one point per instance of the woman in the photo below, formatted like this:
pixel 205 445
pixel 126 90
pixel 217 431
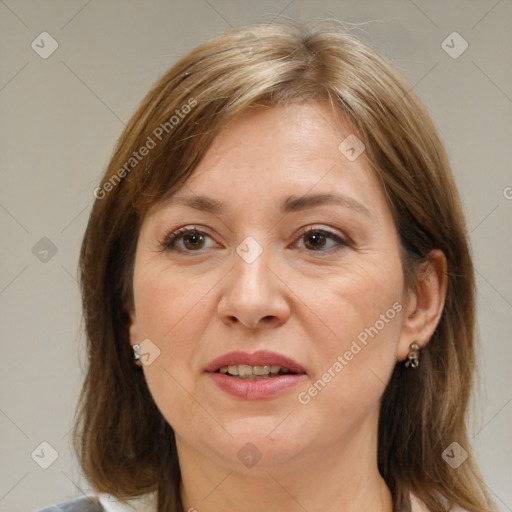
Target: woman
pixel 278 291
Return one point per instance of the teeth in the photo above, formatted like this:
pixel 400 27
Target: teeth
pixel 245 371
pixel 233 370
pixel 261 370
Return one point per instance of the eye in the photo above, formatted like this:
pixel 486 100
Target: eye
pixel 316 240
pixel 192 239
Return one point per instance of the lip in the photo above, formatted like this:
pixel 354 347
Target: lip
pixel 255 389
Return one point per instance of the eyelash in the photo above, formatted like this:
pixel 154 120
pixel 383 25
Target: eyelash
pixel 167 244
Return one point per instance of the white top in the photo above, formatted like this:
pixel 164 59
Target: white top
pixel 148 502
pixel 145 503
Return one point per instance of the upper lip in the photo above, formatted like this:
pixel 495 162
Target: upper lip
pixel 259 358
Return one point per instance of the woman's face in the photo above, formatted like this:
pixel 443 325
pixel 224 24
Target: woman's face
pixel 301 295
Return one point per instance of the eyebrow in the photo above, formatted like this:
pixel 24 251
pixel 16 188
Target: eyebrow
pixel 289 205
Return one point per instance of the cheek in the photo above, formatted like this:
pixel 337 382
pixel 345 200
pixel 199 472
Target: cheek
pixel 169 305
pixel 172 313
pixel 361 319
pixel 352 298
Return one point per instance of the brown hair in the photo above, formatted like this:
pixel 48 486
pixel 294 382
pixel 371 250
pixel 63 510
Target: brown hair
pixel 124 444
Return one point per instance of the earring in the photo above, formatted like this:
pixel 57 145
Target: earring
pixel 413 357
pixel 136 355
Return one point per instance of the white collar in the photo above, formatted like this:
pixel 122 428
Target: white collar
pixel 148 503
pixel 144 503
pixel 417 505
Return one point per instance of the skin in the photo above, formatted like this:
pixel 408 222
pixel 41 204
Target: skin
pixel 203 300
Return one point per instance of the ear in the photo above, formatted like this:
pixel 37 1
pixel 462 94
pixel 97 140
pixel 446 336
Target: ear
pixel 424 304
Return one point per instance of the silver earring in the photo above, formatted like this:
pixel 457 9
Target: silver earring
pixel 413 357
pixel 136 355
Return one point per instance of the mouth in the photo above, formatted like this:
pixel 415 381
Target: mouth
pixel 262 364
pixel 244 371
pixel 256 375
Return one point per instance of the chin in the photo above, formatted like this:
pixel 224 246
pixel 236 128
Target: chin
pixel 258 443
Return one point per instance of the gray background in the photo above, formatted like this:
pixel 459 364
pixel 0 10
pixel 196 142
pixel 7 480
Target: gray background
pixel 62 115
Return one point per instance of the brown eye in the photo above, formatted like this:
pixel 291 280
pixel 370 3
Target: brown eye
pixel 318 240
pixel 315 240
pixel 193 241
pixel 185 240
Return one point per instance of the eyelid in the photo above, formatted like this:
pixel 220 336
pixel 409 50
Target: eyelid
pixel 175 234
pixel 342 240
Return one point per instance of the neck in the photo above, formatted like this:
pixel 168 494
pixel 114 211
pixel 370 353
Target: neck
pixel 343 477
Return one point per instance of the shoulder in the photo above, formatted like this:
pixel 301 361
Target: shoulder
pixel 84 504
pixel 418 506
pixel 106 503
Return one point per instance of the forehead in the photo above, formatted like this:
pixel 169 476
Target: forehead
pixel 298 148
pixel 285 157
pixel 279 134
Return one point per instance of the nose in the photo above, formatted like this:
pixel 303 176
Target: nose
pixel 254 296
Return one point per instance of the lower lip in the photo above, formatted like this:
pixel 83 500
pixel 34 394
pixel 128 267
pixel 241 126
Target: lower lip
pixel 255 389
